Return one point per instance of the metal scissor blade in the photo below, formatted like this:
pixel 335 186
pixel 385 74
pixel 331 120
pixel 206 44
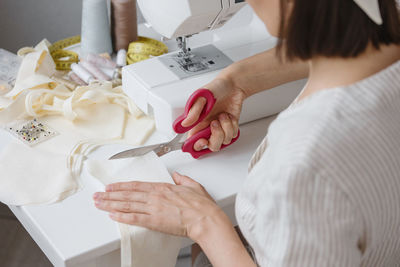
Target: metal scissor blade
pixel 159 149
pixel 166 148
pixel 139 151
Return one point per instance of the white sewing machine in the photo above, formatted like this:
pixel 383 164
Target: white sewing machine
pixel 162 85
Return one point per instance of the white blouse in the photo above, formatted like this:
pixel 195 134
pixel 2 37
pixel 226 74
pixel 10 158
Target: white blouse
pixel 326 191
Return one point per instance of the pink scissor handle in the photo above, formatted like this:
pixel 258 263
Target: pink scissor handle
pixel 206 133
pixel 208 95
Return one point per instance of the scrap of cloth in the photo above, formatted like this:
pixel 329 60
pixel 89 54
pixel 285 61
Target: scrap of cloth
pixel 139 247
pixel 84 119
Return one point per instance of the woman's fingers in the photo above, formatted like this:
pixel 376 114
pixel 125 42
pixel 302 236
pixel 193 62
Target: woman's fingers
pixel 201 126
pixel 227 126
pixel 235 125
pixel 180 179
pixel 122 196
pixel 130 186
pixel 217 136
pixel 122 206
pixel 200 144
pixel 222 132
pixel 131 218
pixel 168 208
pixel 194 112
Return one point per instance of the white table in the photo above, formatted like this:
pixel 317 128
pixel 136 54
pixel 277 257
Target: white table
pixel 75 233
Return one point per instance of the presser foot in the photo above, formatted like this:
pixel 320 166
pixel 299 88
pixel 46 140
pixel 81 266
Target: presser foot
pixel 187 62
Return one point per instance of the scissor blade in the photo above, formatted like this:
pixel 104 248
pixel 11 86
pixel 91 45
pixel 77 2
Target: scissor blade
pixel 139 151
pixel 166 148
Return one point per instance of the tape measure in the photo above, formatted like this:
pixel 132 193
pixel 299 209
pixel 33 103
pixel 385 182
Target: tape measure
pixel 64 58
pixel 139 50
pixel 144 48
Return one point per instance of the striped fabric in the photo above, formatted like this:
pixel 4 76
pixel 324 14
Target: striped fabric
pixel 326 191
pixel 259 152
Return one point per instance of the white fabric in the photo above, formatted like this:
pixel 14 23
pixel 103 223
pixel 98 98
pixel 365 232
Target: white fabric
pixel 325 192
pixel 85 118
pixel 50 182
pixel 371 8
pixel 139 247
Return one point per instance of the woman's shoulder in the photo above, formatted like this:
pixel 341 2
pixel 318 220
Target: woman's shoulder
pixel 338 125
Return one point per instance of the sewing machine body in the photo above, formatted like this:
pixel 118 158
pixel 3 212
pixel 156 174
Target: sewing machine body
pixel 176 18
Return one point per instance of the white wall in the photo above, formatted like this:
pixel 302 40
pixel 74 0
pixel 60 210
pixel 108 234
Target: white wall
pixel 27 22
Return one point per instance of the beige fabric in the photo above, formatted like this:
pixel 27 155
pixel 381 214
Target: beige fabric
pixel 85 118
pixel 22 184
pixel 139 247
pixel 258 153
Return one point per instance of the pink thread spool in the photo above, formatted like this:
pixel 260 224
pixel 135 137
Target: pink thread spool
pixel 112 73
pixel 76 78
pixel 95 71
pixel 101 61
pixel 83 73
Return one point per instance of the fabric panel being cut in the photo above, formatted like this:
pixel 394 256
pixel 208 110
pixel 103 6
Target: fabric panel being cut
pixel 139 246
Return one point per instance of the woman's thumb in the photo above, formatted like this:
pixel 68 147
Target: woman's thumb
pixel 194 112
pixel 180 179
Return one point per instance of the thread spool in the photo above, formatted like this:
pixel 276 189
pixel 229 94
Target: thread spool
pixel 83 73
pixel 116 82
pixel 121 58
pixel 112 73
pixel 123 23
pixel 71 85
pixel 95 71
pixel 95 35
pixel 76 78
pixel 101 61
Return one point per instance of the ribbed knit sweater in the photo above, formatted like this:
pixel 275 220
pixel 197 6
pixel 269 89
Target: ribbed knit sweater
pixel 326 190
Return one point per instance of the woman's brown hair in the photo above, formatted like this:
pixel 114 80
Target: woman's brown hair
pixel 334 28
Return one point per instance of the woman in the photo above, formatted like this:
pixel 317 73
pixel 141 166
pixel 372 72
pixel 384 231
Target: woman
pixel 326 191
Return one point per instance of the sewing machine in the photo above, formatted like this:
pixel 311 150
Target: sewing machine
pixel 210 35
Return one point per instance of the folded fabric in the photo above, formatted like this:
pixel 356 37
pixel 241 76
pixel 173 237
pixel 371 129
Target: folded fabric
pixel 140 247
pixel 21 182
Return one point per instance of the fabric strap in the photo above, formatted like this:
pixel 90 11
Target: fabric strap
pixel 139 246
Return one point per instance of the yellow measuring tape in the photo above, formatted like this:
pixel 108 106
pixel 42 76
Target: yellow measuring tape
pixel 144 48
pixel 64 58
pixel 139 50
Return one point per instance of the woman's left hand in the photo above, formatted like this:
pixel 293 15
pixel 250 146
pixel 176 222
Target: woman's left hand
pixel 180 209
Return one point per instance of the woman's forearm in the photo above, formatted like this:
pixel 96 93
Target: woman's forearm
pixel 220 242
pixel 262 72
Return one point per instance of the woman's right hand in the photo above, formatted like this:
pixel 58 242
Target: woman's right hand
pixel 224 117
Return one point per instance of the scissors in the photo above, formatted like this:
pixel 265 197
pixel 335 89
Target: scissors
pixel 176 143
